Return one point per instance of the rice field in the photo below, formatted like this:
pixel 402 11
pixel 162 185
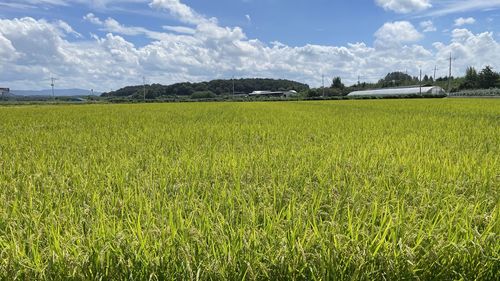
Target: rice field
pixel 327 190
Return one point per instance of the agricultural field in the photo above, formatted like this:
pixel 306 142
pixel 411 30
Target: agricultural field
pixel 326 190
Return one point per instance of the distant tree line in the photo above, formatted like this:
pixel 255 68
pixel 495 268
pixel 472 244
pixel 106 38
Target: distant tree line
pixel 485 79
pixel 207 89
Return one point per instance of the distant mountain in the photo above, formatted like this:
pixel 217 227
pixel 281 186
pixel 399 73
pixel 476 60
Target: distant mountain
pixel 57 92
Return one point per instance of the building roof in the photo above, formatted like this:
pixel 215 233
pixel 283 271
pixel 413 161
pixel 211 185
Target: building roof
pixel 263 93
pixel 433 90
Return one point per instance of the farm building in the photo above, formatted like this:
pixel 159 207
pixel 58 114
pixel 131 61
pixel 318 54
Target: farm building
pixel 4 92
pixel 285 94
pixel 390 92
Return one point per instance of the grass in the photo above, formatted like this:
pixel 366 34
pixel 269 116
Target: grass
pixel 339 190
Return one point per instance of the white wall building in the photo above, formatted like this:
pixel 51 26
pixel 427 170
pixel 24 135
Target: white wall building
pixel 286 94
pixel 4 92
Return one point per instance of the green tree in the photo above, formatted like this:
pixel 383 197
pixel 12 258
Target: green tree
pixel 397 78
pixel 337 83
pixel 471 79
pixel 488 78
pixel 311 93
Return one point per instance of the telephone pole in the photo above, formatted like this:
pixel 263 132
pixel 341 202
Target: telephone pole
pixel 420 81
pixel 323 82
pixel 52 84
pixel 233 85
pixel 449 75
pixel 144 87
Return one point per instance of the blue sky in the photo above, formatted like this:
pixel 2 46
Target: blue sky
pixel 107 44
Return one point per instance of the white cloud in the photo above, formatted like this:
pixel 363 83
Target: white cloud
pixel 35 41
pixel 428 26
pixel 67 28
pixel 111 25
pixel 463 21
pixel 394 33
pixel 180 29
pixel 470 49
pixel 404 6
pixel 7 50
pixel 90 17
pixel 90 3
pixel 462 6
pixel 179 11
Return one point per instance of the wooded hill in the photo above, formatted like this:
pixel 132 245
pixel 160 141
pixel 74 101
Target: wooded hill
pixel 212 88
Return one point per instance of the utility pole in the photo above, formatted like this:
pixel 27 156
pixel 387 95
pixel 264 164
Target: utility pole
pixel 420 81
pixel 359 83
pixel 449 75
pixel 233 85
pixel 144 87
pixel 52 84
pixel 323 82
pixel 435 69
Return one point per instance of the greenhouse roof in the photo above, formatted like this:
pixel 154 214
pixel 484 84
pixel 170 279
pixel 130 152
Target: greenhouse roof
pixel 400 91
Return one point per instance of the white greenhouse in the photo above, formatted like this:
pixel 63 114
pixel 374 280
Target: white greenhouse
pixel 391 92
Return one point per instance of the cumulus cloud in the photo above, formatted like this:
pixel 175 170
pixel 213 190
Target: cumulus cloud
pixel 464 21
pixel 90 17
pixel 36 41
pixel 7 50
pixel 428 26
pixel 395 33
pixel 211 52
pixel 404 6
pixel 471 49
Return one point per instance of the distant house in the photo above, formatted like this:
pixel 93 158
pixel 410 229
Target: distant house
pixel 285 94
pixel 389 92
pixel 4 92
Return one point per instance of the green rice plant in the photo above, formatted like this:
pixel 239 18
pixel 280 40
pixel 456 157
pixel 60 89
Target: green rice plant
pixel 319 190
